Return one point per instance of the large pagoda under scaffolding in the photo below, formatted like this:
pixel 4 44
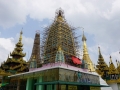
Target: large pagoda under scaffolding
pixel 59 34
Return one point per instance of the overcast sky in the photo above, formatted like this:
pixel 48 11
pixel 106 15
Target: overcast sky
pixel 99 18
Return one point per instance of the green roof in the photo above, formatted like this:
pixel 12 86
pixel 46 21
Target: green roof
pixel 70 83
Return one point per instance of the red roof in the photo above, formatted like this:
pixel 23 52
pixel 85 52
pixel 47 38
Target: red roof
pixel 76 60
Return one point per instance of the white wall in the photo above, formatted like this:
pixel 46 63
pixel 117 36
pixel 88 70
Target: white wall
pixel 114 86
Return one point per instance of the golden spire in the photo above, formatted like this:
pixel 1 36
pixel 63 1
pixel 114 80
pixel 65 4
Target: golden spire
pixel 85 51
pixel 20 38
pixel 99 50
pixel 86 55
pixel 18 49
pixel 100 55
pixel 83 37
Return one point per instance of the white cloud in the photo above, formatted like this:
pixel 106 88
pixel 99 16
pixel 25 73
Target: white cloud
pixel 13 12
pixel 8 44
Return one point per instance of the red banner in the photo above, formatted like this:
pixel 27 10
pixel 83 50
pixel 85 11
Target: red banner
pixel 76 60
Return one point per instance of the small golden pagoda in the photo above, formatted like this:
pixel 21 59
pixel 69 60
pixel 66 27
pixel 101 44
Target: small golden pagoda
pixel 113 73
pixel 16 64
pixel 112 69
pixel 86 56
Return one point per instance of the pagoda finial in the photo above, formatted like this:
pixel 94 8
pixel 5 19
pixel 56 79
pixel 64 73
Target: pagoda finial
pixel 99 50
pixel 83 37
pixel 59 14
pixel 100 55
pixel 84 44
pixel 110 59
pixel 20 39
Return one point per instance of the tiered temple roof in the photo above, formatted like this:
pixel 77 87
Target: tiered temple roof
pixel 16 64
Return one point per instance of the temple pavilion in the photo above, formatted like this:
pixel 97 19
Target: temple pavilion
pixel 56 67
